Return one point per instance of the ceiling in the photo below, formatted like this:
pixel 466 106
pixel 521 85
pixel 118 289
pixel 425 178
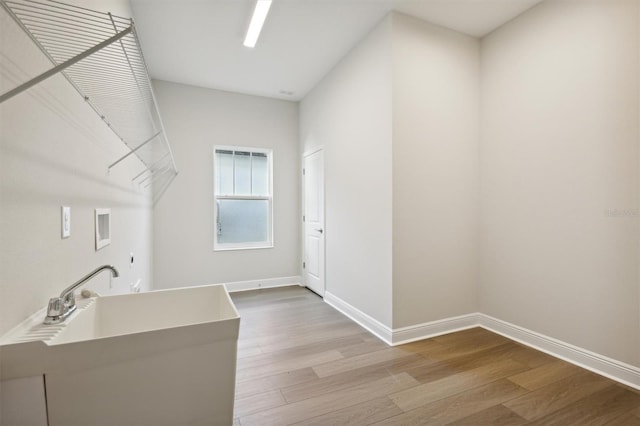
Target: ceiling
pixel 199 42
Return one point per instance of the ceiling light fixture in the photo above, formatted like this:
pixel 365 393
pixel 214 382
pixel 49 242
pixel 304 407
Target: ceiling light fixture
pixel 257 21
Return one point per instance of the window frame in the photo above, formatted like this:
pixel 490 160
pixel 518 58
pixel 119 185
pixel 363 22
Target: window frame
pixel 250 245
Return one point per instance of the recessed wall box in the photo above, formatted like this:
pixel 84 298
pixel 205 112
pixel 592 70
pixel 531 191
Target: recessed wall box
pixel 103 228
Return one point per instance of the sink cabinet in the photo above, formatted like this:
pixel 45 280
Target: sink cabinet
pixel 187 386
pixel 22 402
pixel 158 358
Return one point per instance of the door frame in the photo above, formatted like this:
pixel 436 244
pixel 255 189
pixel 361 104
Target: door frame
pixel 324 217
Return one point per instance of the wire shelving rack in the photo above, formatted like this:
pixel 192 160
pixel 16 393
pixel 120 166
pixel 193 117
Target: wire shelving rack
pixel 100 55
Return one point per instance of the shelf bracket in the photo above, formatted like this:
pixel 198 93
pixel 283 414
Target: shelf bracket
pixel 53 71
pixel 133 150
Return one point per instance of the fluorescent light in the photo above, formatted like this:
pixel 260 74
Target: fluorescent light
pixel 257 21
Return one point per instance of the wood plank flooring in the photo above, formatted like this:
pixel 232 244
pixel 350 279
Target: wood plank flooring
pixel 301 362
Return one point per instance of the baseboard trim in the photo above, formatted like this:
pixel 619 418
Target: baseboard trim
pixel 400 336
pixel 374 326
pixel 600 364
pixel 260 284
pixel 613 369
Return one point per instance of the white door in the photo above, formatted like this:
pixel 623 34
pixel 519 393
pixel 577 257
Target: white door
pixel 313 217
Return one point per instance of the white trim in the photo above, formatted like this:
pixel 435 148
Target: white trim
pixel 242 246
pixel 615 370
pixel 260 284
pixel 600 364
pixel 374 326
pixel 431 329
pixel 244 197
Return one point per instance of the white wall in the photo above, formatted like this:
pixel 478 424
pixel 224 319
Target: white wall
pixel 559 170
pixel 435 172
pixel 196 119
pixel 349 113
pixel 54 151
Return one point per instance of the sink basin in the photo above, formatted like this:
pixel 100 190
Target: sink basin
pixel 143 312
pixel 158 358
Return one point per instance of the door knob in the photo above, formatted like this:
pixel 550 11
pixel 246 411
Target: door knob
pixel 319 230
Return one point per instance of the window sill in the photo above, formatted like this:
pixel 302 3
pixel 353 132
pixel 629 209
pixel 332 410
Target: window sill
pixel 231 248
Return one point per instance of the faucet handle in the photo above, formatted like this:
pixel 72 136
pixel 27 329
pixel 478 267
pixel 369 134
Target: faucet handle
pixel 69 299
pixel 55 308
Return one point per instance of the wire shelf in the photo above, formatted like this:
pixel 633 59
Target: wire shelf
pixel 100 55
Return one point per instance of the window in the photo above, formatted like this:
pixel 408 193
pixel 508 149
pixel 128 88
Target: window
pixel 243 202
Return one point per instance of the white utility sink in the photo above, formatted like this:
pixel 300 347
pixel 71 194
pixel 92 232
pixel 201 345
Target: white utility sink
pixel 158 358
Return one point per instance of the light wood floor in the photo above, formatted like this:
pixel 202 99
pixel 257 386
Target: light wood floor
pixel 302 362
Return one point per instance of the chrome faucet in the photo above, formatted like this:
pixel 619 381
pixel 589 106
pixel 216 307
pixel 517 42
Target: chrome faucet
pixel 61 307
